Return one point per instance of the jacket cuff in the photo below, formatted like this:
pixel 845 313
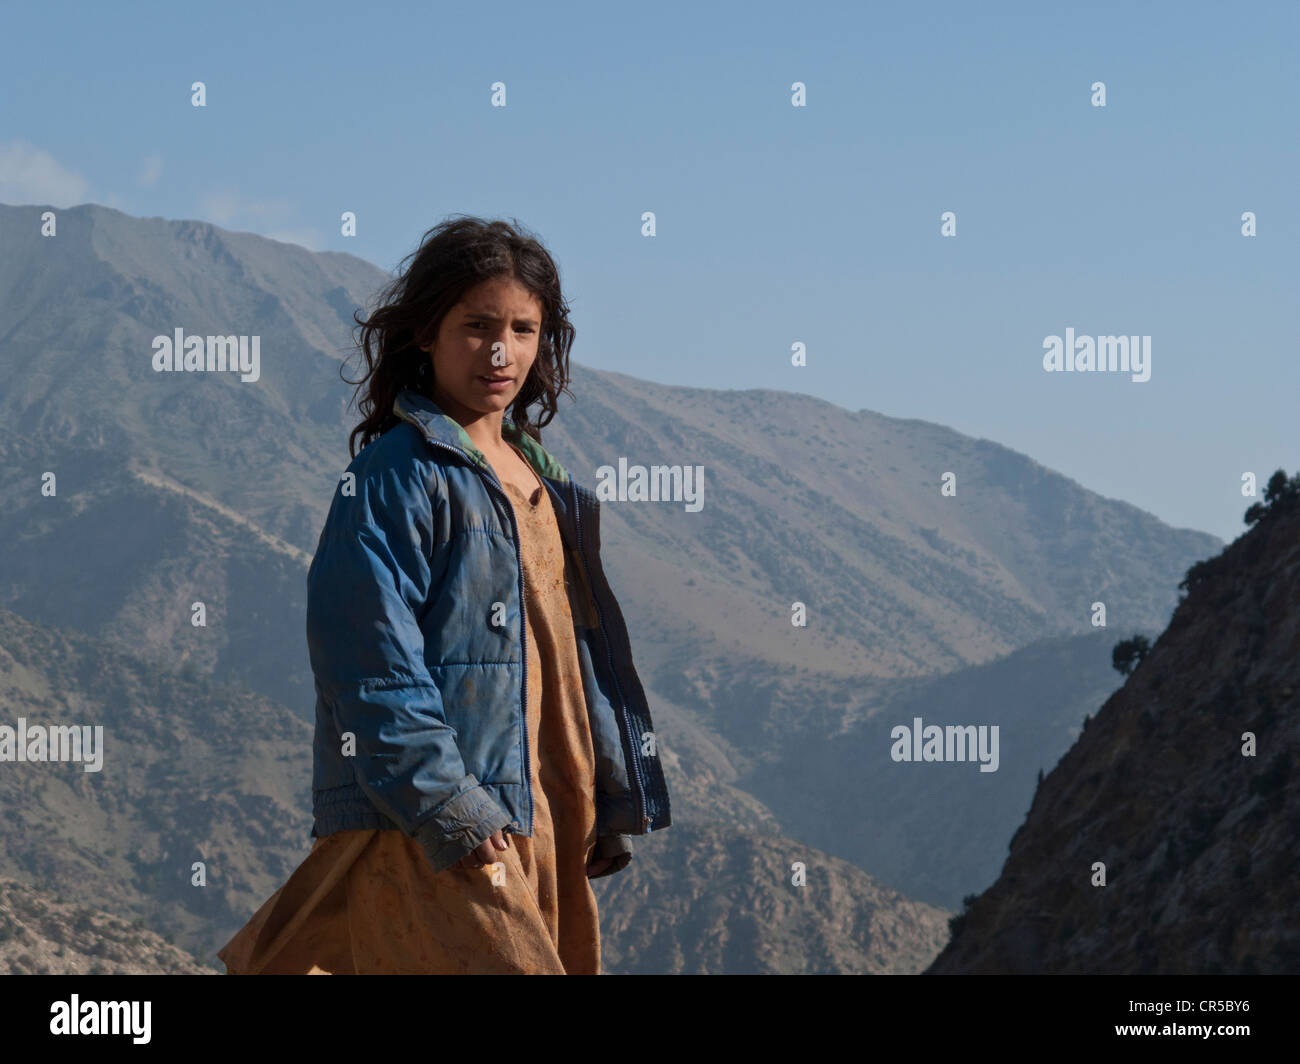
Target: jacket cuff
pixel 615 847
pixel 459 825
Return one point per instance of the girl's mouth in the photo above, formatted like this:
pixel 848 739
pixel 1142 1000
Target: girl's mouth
pixel 497 384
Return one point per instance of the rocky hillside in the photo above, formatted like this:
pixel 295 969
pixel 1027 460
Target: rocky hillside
pixel 44 934
pixel 1197 840
pixel 198 772
pixel 121 554
pixel 713 899
pixel 191 772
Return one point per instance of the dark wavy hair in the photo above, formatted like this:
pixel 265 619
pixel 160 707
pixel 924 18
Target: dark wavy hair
pixel 452 258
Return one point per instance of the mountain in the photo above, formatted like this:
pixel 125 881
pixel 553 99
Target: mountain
pixel 1196 832
pixel 804 501
pixel 82 311
pixel 841 791
pixel 183 488
pixel 807 502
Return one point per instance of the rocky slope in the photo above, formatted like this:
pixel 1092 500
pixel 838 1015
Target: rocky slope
pixel 1198 841
pixel 197 772
pixel 710 899
pixel 44 934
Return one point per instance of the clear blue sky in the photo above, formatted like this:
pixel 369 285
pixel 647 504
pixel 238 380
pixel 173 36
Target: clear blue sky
pixel 776 224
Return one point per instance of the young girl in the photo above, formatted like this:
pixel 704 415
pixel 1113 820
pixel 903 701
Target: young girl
pixel 483 745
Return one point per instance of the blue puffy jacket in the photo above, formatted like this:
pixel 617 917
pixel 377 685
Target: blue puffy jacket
pixel 416 633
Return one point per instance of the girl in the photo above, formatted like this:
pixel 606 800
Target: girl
pixel 483 745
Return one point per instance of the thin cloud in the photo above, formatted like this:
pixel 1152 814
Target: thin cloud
pixel 31 175
pixel 151 171
pixel 311 239
pixel 273 218
pixel 223 208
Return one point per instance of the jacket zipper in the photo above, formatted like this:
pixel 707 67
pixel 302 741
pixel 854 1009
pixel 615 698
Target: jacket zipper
pixel 523 627
pixel 627 719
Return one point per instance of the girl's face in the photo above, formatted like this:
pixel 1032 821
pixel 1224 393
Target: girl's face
pixel 492 333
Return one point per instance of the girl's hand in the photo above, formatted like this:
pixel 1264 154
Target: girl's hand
pixel 598 866
pixel 485 852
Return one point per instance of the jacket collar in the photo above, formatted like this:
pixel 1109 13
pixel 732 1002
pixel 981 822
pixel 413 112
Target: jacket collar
pixel 438 427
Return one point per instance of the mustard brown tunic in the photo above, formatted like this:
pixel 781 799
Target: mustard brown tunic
pixel 367 902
